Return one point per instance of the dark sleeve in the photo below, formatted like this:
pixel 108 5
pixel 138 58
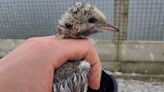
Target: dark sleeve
pixel 108 83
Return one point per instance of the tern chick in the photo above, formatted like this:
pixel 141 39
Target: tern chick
pixel 79 22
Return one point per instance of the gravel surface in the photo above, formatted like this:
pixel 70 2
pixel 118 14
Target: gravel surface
pixel 139 86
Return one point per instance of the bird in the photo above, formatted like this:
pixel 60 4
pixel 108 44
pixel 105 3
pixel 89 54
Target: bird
pixel 80 21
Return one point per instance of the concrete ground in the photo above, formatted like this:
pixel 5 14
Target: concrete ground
pixel 139 86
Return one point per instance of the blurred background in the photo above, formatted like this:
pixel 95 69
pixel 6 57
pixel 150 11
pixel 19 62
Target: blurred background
pixel 135 55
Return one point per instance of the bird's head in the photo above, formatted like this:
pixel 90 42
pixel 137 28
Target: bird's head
pixel 82 20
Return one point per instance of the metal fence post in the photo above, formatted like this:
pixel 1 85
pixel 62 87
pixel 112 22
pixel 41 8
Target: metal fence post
pixel 120 21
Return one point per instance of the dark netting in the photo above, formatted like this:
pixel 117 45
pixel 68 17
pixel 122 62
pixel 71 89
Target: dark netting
pixel 27 18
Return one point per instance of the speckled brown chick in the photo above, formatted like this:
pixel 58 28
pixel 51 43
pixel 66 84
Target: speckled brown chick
pixel 79 22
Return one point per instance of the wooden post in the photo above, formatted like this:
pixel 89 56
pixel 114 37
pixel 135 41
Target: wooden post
pixel 120 21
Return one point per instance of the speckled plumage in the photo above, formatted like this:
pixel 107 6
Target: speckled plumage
pixel 79 22
pixel 77 19
pixel 72 77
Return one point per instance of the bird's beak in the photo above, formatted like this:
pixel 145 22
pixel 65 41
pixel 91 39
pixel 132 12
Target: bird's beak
pixel 104 27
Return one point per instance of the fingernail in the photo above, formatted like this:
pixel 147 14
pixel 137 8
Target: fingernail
pixel 95 84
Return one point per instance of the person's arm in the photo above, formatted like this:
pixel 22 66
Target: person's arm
pixel 30 67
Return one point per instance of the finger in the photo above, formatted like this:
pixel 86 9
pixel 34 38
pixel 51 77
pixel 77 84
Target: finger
pixel 85 49
pixel 77 50
pixel 95 71
pixel 72 50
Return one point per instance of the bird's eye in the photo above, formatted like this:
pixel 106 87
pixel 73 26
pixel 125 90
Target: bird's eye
pixel 92 20
pixel 67 25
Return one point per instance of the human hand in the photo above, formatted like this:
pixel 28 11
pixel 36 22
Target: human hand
pixel 30 67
